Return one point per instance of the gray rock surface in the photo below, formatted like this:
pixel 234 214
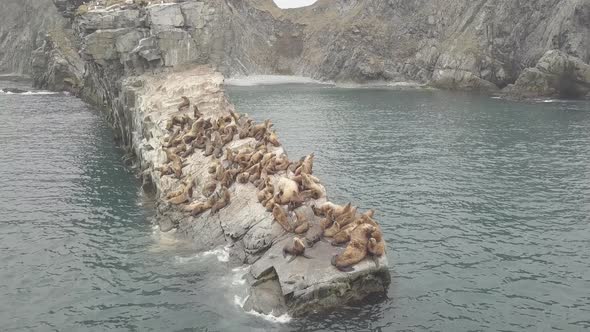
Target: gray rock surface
pixel 555 75
pixel 298 287
pixel 458 44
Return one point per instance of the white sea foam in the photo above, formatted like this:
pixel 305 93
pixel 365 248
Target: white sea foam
pixel 238 275
pixel 282 319
pixel 30 93
pixel 222 255
pixel 271 80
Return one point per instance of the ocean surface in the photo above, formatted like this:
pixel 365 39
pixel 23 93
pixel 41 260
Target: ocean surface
pixel 485 206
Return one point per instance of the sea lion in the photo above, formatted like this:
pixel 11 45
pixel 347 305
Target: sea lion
pixel 369 213
pixel 337 210
pixel 295 249
pixel 302 224
pixel 306 165
pixel 356 250
pixel 376 245
pixel 327 221
pixel 199 207
pixel 316 189
pixel 287 190
pixel 273 139
pixel 223 201
pixel 234 115
pixel 185 103
pixel 212 169
pixel 164 170
pixel 183 198
pixel 209 188
pixel 196 113
pixel 243 178
pixel 332 230
pixel 347 217
pixel 344 234
pixel 281 164
pixel 281 217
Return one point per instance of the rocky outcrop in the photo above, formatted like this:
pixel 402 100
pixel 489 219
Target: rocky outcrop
pixel 23 25
pixel 555 75
pixel 143 109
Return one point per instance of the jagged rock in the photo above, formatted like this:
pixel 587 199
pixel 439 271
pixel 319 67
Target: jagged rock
pixel 176 47
pixel 297 287
pixel 165 16
pixel 555 75
pixel 102 20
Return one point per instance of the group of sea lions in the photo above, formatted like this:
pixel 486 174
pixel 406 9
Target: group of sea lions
pixel 342 225
pixel 283 186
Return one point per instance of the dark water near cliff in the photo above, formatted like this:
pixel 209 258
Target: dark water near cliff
pixel 485 205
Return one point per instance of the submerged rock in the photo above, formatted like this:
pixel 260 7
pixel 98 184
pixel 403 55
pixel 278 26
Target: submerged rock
pixel 13 90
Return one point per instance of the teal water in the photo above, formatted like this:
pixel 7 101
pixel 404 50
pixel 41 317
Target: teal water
pixel 484 204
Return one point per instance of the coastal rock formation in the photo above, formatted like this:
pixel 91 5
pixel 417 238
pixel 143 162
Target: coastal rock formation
pixel 555 75
pixel 148 109
pixel 23 25
pixel 459 44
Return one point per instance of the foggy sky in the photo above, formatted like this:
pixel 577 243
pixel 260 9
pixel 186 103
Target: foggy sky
pixel 293 3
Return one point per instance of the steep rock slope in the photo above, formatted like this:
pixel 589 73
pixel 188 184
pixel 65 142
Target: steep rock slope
pixel 23 25
pixel 458 44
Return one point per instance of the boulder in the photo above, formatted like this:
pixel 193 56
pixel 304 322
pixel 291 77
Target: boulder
pixel 556 74
pixel 164 16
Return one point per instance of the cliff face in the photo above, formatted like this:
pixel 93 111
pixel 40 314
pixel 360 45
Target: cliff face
pixel 23 25
pixel 459 44
pixel 452 44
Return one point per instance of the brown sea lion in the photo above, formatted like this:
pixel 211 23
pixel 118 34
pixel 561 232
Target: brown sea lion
pixel 280 216
pixel 302 224
pixel 327 221
pixel 273 139
pixel 183 198
pixel 223 201
pixel 309 184
pixel 212 169
pixel 176 167
pixel 343 235
pixel 196 113
pixel 287 190
pixel 356 250
pixel 369 213
pixel 243 178
pixel 209 188
pixel 199 207
pixel 376 245
pixel 234 115
pixel 306 165
pixel 184 104
pixel 347 217
pixel 295 249
pixel 164 170
pixel 332 230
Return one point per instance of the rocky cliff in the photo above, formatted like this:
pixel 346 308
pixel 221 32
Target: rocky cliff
pixel 23 25
pixel 459 44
